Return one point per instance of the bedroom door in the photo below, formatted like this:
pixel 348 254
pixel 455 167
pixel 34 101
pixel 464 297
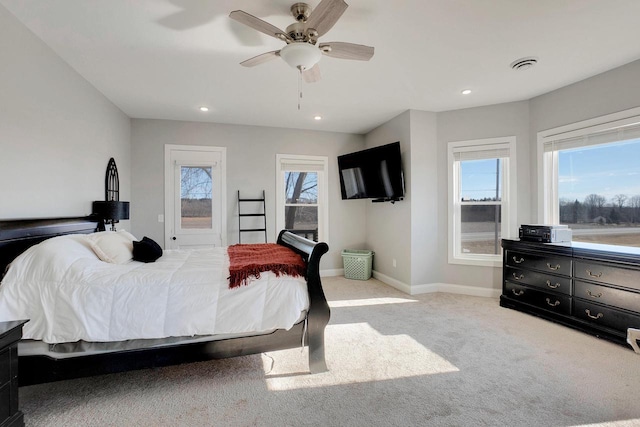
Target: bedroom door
pixel 195 196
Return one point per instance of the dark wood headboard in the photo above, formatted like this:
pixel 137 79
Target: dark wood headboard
pixel 17 235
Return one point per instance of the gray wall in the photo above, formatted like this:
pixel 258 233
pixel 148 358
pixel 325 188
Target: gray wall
pixel 425 216
pixel 57 132
pixel 415 231
pixel 406 231
pixel 607 93
pixel 511 119
pixel 251 160
pixel 389 225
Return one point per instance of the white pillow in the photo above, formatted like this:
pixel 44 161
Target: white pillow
pixel 115 247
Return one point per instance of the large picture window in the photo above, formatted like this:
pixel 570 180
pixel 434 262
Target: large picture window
pixel 591 179
pixel 302 195
pixel 481 199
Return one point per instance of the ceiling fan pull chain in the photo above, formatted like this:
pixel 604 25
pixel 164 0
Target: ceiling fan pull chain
pixel 299 88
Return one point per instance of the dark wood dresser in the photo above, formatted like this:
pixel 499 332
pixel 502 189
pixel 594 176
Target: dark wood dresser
pixel 591 287
pixel 10 334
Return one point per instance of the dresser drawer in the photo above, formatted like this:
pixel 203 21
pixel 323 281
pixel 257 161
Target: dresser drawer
pixel 602 273
pixel 560 304
pixel 543 281
pixel 606 295
pixel 556 265
pixel 596 314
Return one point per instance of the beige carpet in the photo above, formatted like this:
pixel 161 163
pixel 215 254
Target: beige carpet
pixel 394 360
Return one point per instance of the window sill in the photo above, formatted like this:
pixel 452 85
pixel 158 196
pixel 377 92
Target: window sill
pixel 476 261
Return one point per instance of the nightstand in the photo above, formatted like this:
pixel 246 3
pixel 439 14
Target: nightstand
pixel 10 334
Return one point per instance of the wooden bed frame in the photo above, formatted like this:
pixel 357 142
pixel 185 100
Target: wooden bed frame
pixel 18 235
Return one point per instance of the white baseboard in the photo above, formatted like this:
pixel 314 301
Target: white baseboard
pixel 423 289
pixel 331 273
pixel 437 287
pixel 403 287
pixel 428 288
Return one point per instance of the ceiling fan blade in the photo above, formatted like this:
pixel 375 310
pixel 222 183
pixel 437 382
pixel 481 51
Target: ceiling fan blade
pixel 347 50
pixel 260 59
pixel 258 24
pixel 325 15
pixel 312 75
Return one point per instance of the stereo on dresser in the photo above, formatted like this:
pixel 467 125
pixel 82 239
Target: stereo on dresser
pixel 545 233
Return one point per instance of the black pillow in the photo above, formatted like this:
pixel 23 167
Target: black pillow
pixel 146 250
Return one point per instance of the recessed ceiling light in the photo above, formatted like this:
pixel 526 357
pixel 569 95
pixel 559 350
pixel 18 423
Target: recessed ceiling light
pixel 204 109
pixel 317 118
pixel 466 92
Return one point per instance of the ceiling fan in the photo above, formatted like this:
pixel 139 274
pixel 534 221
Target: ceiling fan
pixel 302 50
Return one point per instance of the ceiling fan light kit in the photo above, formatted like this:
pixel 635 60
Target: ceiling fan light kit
pixel 301 55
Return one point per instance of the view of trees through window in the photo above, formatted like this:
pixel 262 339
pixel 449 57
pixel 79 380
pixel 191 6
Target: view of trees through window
pixel 195 194
pixel 599 192
pixel 301 203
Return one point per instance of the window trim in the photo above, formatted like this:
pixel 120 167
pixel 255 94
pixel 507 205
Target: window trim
pixel 319 164
pixel 548 203
pixel 169 188
pixel 508 202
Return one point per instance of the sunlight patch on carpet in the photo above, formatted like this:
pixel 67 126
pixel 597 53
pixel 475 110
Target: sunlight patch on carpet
pixel 367 302
pixel 356 353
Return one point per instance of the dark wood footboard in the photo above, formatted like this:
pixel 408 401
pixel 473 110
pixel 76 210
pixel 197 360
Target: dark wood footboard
pixel 17 236
pixel 319 312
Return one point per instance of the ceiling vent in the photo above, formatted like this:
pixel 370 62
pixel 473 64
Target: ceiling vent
pixel 524 63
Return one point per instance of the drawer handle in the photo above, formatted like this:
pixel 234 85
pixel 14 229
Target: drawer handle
pixel 597 276
pixel 554 268
pixel 517 293
pixel 518 261
pixel 557 285
pixel 520 277
pixel 598 295
pixel 554 304
pixel 597 316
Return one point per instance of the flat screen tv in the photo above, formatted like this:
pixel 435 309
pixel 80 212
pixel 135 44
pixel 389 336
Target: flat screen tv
pixel 375 173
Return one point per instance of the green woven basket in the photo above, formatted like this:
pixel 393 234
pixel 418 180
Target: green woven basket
pixel 357 264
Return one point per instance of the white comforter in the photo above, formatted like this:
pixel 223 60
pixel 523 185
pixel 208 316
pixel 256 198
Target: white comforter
pixel 69 295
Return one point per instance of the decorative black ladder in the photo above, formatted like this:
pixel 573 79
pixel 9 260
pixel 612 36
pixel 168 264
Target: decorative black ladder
pixel 242 215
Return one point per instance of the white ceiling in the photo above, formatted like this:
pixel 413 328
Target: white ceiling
pixel 164 58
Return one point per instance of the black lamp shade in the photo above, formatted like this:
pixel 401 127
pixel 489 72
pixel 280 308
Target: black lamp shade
pixel 112 210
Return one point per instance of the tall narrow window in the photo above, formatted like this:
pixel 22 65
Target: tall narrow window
pixel 196 194
pixel 481 199
pixel 302 195
pixel 591 178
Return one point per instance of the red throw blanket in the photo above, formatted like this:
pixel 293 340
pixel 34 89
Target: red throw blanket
pixel 249 260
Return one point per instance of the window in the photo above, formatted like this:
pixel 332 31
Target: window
pixel 590 178
pixel 301 199
pixel 482 199
pixel 196 189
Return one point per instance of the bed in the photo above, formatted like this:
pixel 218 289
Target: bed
pixel 47 354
